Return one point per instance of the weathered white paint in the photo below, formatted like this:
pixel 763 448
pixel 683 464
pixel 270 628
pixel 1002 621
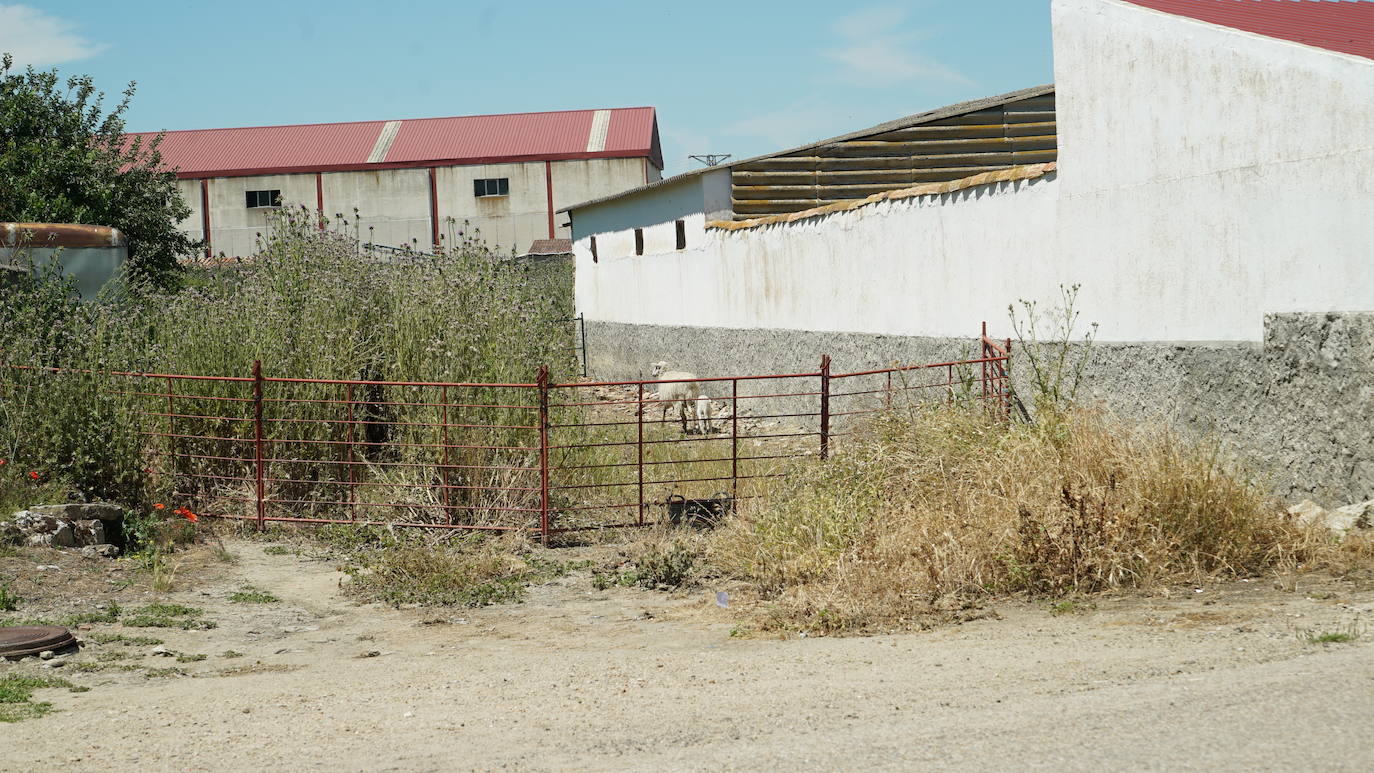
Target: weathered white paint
pixel 1221 174
pixel 1209 177
pixel 874 269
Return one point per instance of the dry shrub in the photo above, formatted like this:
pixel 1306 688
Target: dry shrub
pixel 934 510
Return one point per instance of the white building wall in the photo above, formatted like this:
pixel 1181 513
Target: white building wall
pixel 393 204
pixel 910 267
pixel 234 228
pixel 190 193
pixel 1209 177
pixel 1223 174
pixel 583 180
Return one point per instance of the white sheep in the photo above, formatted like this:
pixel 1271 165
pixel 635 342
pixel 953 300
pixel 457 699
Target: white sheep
pixel 681 391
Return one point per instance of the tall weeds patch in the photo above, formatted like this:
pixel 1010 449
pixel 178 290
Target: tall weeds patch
pixel 939 508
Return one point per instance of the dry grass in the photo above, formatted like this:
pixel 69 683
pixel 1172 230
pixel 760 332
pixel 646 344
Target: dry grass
pixel 935 510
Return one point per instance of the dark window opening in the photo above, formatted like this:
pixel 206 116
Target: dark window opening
pixel 681 235
pixel 497 186
pixel 259 199
pixel 639 241
pixel 593 249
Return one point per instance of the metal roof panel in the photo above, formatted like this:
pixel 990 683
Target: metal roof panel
pixel 418 142
pixel 1345 26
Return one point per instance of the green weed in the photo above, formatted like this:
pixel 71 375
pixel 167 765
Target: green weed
pixel 128 641
pixel 1347 635
pixel 253 596
pixel 8 601
pixel 168 616
pixel 16 693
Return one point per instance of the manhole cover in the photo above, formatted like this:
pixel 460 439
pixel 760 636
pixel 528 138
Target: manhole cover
pixel 31 640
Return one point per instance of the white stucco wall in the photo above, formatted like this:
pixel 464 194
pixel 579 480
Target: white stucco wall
pixel 1206 177
pixel 1223 174
pixel 910 267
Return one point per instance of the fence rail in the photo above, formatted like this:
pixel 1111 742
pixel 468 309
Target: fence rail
pixel 536 456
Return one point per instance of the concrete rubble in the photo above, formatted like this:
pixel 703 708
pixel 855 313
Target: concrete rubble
pixel 93 527
pixel 1340 521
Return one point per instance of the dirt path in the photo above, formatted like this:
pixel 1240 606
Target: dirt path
pixel 623 679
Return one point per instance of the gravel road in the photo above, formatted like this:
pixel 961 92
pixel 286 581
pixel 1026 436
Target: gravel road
pixel 1218 678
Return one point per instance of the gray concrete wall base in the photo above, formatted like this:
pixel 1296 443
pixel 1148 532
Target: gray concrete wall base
pixel 1299 407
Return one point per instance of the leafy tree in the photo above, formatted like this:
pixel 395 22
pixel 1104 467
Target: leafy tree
pixel 64 160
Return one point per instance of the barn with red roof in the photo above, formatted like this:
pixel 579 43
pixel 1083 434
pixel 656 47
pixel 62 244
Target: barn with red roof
pixel 417 182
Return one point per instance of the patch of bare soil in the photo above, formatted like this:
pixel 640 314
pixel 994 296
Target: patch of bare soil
pixel 576 678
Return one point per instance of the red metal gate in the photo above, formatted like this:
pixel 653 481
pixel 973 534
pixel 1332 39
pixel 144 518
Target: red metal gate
pixel 537 456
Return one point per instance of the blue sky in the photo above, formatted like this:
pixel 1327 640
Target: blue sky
pixel 726 77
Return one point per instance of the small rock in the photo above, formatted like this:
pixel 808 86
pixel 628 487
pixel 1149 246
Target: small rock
pixel 47 655
pixel 63 537
pixel 161 651
pixel 1339 521
pixel 89 532
pixel 370 654
pixel 100 551
pixel 1363 513
pixel 57 663
pixel 408 714
pixel 81 511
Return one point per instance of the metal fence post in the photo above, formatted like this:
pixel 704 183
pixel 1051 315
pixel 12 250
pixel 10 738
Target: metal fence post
pixel 171 430
pixel 734 437
pixel 348 446
pixel 443 439
pixel 543 385
pixel 983 348
pixel 639 448
pixel 582 331
pixel 1006 386
pixel 825 406
pixel 257 444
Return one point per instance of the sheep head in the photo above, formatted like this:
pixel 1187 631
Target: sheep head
pixel 658 367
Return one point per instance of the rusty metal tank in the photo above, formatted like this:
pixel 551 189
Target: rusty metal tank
pixel 91 254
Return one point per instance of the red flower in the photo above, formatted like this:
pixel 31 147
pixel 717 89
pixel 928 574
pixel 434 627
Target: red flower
pixel 2 462
pixel 33 474
pixel 159 506
pixel 187 514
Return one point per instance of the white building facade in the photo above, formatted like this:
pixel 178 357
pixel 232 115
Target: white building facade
pixel 1206 176
pixel 413 183
pixel 1211 196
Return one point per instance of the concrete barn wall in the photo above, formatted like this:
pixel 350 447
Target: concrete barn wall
pixel 394 204
pixel 234 228
pixel 189 191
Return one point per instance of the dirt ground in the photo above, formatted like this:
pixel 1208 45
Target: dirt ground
pixel 1219 677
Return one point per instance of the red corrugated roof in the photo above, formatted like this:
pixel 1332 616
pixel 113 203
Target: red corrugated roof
pixel 473 139
pixel 1346 26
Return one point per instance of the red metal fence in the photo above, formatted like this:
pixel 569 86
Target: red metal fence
pixel 537 456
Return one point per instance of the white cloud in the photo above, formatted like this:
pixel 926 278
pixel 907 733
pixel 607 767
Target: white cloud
pixel 874 51
pixel 38 39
